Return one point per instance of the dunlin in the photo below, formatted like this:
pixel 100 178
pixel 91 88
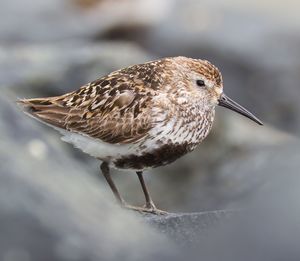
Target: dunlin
pixel 140 117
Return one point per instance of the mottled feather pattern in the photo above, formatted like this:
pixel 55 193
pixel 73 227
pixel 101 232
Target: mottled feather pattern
pixel 115 108
pixel 153 108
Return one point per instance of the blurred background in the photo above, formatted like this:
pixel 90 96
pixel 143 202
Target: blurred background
pixel 51 47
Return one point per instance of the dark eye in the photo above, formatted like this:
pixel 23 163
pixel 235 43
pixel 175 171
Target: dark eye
pixel 200 83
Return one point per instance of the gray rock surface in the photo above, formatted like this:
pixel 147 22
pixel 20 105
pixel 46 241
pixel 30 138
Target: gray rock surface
pixel 189 228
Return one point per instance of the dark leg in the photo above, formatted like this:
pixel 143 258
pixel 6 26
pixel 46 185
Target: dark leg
pixel 150 207
pixel 149 202
pixel 105 171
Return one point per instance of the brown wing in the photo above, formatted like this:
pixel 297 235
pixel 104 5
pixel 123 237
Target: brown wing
pixel 115 109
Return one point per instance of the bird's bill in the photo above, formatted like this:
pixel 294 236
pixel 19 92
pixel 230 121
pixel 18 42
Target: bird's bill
pixel 226 102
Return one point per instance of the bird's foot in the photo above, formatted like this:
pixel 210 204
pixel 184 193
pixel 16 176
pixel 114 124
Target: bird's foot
pixel 146 209
pixel 150 206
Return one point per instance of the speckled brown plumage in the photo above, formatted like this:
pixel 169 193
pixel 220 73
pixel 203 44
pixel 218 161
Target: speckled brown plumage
pixel 139 117
pixel 114 108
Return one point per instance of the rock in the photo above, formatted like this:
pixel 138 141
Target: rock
pixel 248 175
pixel 188 228
pixel 267 226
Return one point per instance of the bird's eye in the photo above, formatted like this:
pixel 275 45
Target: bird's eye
pixel 200 83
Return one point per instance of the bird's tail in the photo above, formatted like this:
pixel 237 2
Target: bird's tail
pixel 48 110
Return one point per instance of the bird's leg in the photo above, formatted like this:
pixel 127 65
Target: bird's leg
pixel 149 207
pixel 149 201
pixel 105 171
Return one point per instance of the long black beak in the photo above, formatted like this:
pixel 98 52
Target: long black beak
pixel 226 102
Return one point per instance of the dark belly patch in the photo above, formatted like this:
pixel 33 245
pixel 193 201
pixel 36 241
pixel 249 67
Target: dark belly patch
pixel 158 157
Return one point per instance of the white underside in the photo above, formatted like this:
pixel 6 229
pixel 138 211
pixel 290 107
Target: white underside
pixel 97 148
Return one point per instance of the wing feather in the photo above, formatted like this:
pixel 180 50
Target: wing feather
pixel 114 109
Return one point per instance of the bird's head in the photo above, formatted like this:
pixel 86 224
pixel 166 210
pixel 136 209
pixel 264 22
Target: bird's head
pixel 205 82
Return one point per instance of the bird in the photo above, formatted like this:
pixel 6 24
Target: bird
pixel 140 117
